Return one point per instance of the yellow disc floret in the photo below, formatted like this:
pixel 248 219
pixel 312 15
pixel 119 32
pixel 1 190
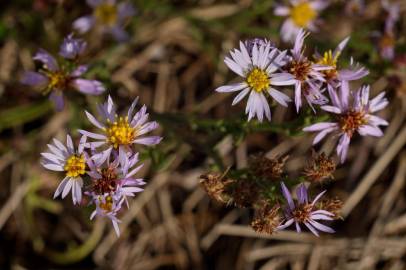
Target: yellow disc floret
pixel 331 61
pixel 350 122
pixel 75 166
pixel 302 14
pixel 258 80
pixel 328 59
pixel 57 80
pixel 106 14
pixel 120 132
pixel 107 205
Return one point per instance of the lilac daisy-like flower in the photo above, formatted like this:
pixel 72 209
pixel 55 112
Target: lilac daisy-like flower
pixel 301 14
pixel 351 117
pixel 387 40
pixel 108 205
pixel 334 75
pixel 108 15
pixel 258 69
pixel 306 75
pixel 65 159
pixel 304 211
pixel 72 48
pixel 121 132
pixel 113 182
pixel 55 79
pixel 115 176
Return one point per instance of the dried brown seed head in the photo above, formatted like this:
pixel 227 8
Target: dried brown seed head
pixel 331 205
pixel 268 168
pixel 320 168
pixel 215 184
pixel 266 219
pixel 245 193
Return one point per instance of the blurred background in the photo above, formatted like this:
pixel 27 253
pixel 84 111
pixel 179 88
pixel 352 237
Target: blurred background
pixel 173 61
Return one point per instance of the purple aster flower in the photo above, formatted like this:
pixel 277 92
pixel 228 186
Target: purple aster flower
pixel 304 212
pixel 115 176
pixel 113 182
pixel 52 78
pixel 307 76
pixel 121 132
pixel 72 48
pixel 108 15
pixel 259 72
pixel 350 117
pixel 387 40
pixel 301 14
pixel 73 163
pixel 108 205
pixel 333 76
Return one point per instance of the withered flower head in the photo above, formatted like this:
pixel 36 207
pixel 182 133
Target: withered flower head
pixel 245 193
pixel 266 219
pixel 320 168
pixel 333 206
pixel 215 184
pixel 268 168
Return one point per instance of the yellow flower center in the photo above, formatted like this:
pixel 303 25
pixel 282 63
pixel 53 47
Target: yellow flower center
pixel 258 80
pixel 106 14
pixel 120 132
pixel 57 80
pixel 331 61
pixel 302 14
pixel 107 205
pixel 328 59
pixel 350 122
pixel 75 166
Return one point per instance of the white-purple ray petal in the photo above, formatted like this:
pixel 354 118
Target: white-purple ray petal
pixel 90 87
pixel 152 140
pixel 83 24
pixel 92 135
pixel 301 193
pixel 240 96
pixel 231 87
pixel 57 98
pixel 280 97
pixel 67 187
pixel 321 227
pixel 288 197
pixel 48 61
pixel 32 78
pixel 60 187
pixel 365 130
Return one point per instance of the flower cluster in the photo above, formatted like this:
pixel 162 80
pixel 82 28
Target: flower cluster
pixel 56 77
pixel 264 68
pixel 104 170
pixel 325 86
pixel 262 187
